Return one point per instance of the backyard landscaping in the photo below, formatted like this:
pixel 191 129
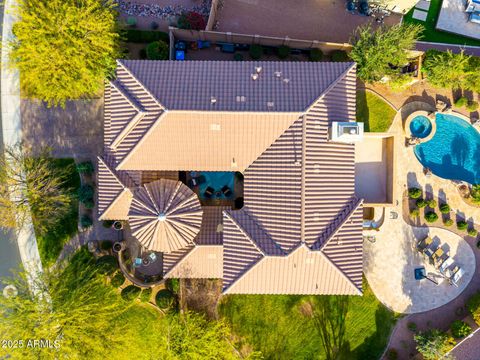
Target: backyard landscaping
pixel 50 243
pixel 374 112
pixel 279 326
pixel 430 34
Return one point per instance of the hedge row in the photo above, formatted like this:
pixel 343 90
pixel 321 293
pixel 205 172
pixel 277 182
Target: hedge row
pixel 144 37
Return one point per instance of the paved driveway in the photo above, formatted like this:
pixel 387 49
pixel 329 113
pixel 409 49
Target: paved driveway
pixel 323 20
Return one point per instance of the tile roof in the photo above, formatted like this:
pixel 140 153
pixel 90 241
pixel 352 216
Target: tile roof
pixel 202 262
pixel 190 85
pixel 301 215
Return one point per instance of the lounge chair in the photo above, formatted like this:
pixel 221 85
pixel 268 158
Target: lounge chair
pixel 208 192
pixel 424 243
pixel 226 191
pixel 457 276
pixel 153 257
pixel 446 264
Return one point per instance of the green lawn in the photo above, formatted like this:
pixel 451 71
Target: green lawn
pixel 275 325
pixel 374 112
pixel 51 243
pixel 431 34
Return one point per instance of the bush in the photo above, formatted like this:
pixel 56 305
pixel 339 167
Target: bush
pixel 431 216
pixel 85 167
pixel 173 285
pixel 145 295
pixel 130 293
pixel 157 50
pixel 117 280
pixel 392 354
pixel 421 203
pixel 107 223
pixel 89 204
pixel 461 102
pixel 460 329
pixel 315 55
pixel 448 222
pixel 145 37
pixel 414 193
pixel 412 326
pixel 86 221
pixel 462 225
pixel 472 106
pixel 164 299
pixel 472 232
pixel 432 203
pixel 473 305
pixel 154 25
pixel 339 56
pixel 106 245
pixel 444 208
pixel 85 193
pixel 433 344
pixel 107 264
pixel 238 57
pixel 283 52
pixel 414 213
pixel 191 21
pixel 255 51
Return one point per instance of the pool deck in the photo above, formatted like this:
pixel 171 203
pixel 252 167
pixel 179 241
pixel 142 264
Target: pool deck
pixel 454 19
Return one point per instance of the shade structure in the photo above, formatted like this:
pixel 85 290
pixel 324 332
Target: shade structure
pixel 165 215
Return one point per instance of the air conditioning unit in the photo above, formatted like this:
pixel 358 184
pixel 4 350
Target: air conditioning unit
pixel 346 132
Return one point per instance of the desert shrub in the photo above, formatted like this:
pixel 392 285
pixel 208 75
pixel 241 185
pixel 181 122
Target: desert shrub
pixel 460 329
pixel 173 285
pixel 238 57
pixel 164 299
pixel 473 305
pixel 117 280
pixel 472 106
pixel 145 295
pixel 433 344
pixel 421 203
pixel 85 193
pixel 412 326
pixel 432 203
pixel 475 193
pixel 315 55
pixel 107 264
pixel 86 221
pixel 339 56
pixel 255 51
pixel 431 216
pixel 130 292
pixel 462 225
pixel 392 354
pixel 448 222
pixel 283 52
pixel 444 208
pixel 414 213
pixel 472 232
pixel 85 167
pixel 461 102
pixel 107 223
pixel 157 50
pixel 414 193
pixel 106 245
pixel 191 21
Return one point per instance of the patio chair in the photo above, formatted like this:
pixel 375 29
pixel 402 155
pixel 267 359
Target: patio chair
pixel 209 192
pixel 446 264
pixel 192 183
pixel 137 262
pixel 226 191
pixel 153 257
pixel 457 276
pixel 424 243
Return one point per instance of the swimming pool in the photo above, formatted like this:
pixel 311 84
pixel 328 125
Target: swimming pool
pixel 421 126
pixel 215 180
pixel 454 150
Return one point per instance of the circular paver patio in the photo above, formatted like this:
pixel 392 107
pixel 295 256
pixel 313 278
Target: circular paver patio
pixel 390 262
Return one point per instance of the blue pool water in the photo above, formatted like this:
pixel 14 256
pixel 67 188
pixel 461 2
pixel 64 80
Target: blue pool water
pixel 216 180
pixel 420 126
pixel 454 150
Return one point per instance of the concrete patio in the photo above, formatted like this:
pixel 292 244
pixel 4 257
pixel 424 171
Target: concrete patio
pixel 454 19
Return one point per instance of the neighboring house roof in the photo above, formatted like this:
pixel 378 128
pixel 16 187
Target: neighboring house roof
pixel 300 216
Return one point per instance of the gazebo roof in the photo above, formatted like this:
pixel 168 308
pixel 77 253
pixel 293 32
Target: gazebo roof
pixel 165 215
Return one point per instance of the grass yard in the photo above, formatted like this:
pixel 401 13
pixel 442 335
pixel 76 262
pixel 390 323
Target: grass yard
pixel 375 113
pixel 51 243
pixel 430 34
pixel 275 326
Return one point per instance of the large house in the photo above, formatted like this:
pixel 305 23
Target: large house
pixel 243 171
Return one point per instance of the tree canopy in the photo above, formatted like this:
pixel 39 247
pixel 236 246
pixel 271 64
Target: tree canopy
pixel 452 71
pixel 31 184
pixel 378 53
pixel 64 49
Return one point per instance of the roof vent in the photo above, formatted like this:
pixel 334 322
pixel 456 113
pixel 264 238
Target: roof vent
pixel 270 104
pixel 258 69
pixel 278 74
pixel 317 125
pixel 298 163
pixel 316 217
pixel 213 100
pixel 215 127
pixel 254 77
pixel 286 81
pixel 211 256
pixel 309 261
pixel 234 163
pixel 316 168
pixel 219 228
pixel 241 98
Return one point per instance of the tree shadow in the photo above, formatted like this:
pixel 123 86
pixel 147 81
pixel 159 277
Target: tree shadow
pixel 412 180
pixel 422 98
pixel 362 105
